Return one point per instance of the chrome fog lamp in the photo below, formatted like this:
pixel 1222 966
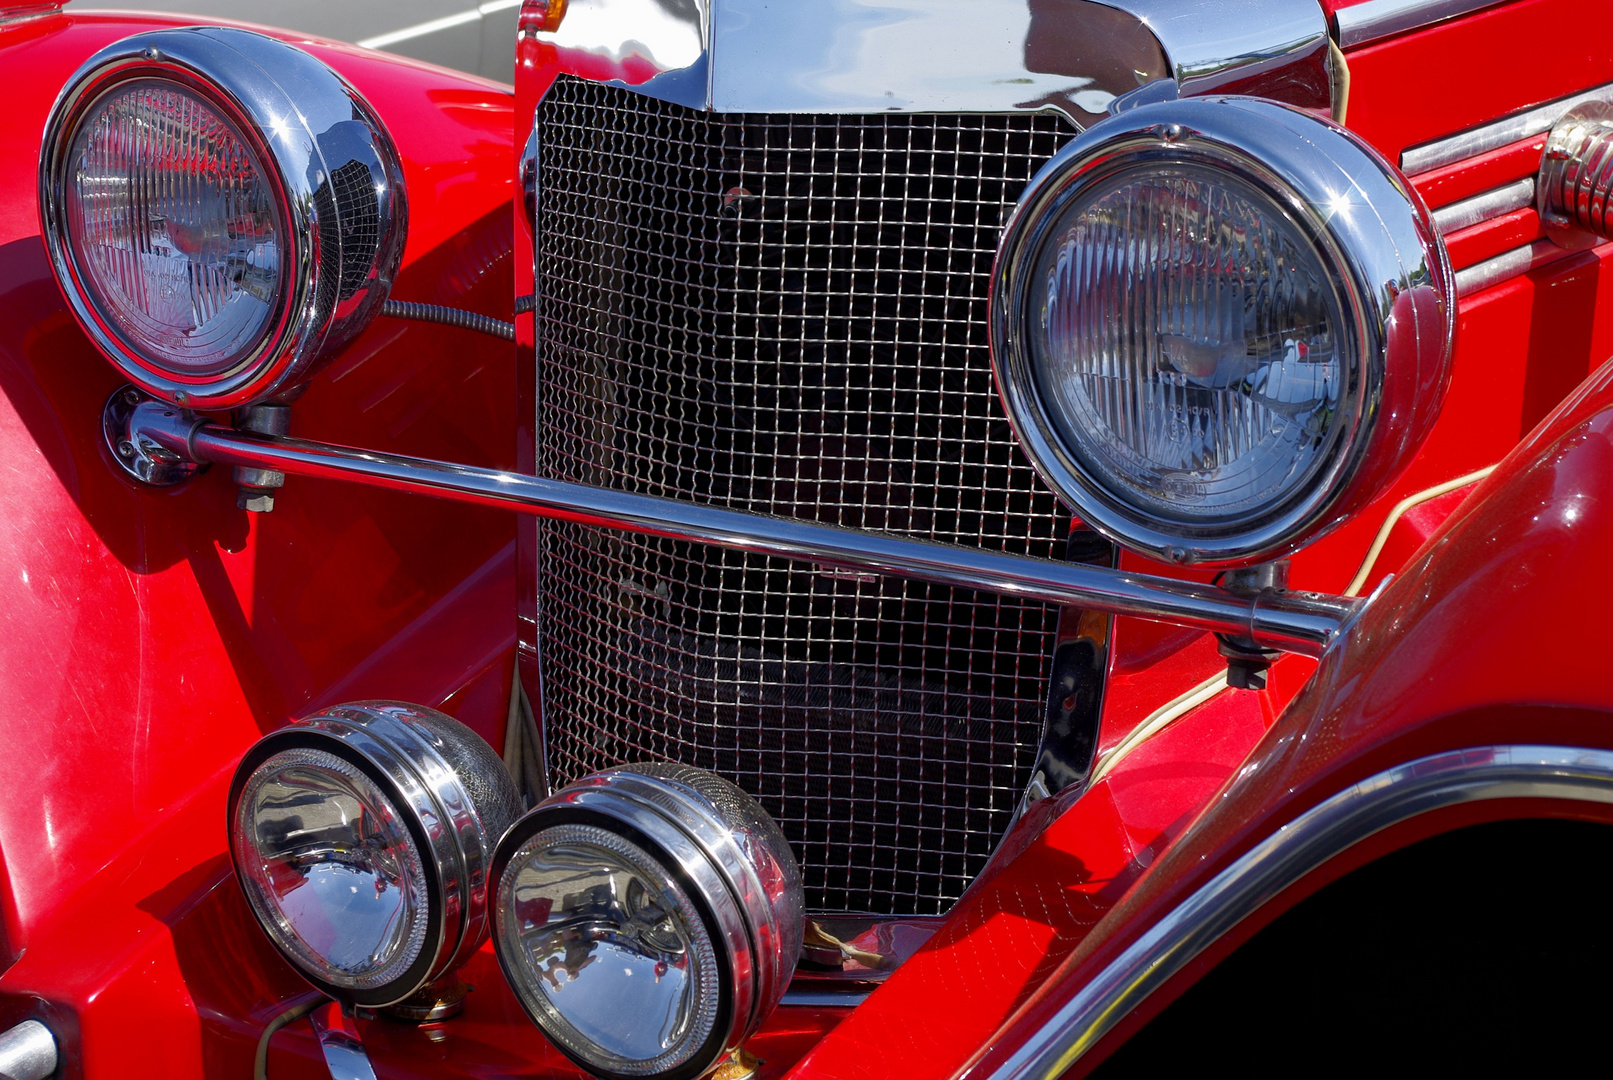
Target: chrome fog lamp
pixel 222 210
pixel 362 836
pixel 649 918
pixel 1220 325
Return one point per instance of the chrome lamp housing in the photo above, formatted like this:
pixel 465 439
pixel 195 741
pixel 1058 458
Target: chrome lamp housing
pixel 362 836
pixel 649 918
pixel 1219 326
pixel 222 210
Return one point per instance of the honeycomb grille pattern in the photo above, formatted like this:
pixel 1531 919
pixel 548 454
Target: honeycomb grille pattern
pixel 786 314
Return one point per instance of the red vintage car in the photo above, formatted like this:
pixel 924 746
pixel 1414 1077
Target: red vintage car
pixel 989 539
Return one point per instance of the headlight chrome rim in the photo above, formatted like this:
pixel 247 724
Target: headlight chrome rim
pixel 682 817
pixel 327 295
pixel 1303 165
pixel 402 749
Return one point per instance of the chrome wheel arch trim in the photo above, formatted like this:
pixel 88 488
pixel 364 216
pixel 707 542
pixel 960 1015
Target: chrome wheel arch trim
pixel 1325 831
pixel 870 56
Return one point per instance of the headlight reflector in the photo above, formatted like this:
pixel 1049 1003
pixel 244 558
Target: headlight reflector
pixel 361 836
pixel 1204 311
pixel 649 918
pixel 175 228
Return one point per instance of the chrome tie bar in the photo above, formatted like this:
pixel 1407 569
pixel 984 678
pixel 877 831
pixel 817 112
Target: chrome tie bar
pixel 167 438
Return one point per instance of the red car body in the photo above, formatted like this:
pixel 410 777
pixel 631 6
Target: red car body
pixel 150 637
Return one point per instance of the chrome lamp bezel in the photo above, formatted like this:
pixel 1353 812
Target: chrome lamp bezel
pixel 453 794
pixel 1388 264
pixel 305 124
pixel 726 854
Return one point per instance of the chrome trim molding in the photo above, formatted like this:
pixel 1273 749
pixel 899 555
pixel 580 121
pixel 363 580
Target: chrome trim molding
pixel 1396 297
pixel 1493 136
pixel 1073 56
pixel 1485 206
pixel 28 1052
pixel 1508 265
pixel 1377 19
pixel 1293 622
pixel 1576 177
pixel 341 196
pixel 1321 833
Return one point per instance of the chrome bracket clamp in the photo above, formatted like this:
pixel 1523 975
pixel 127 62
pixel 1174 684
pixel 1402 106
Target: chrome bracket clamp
pixel 339 1041
pixel 127 424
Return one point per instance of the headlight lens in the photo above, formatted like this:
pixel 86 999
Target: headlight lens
pixel 362 837
pixel 1219 326
pixel 175 227
pixel 331 870
pixel 649 918
pixel 1189 345
pixel 222 210
pixel 610 949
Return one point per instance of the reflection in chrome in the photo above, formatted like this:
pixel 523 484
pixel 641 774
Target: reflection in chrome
pixel 226 277
pixel 1576 177
pixel 361 836
pixel 1292 622
pixel 1240 423
pixel 28 1052
pixel 1089 1012
pixel 648 918
pixel 954 56
pixel 1508 265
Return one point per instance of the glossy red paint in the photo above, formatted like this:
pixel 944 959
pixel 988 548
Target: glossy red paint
pixel 1435 665
pixel 152 636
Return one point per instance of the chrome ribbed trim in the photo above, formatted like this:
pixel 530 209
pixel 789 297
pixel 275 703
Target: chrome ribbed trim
pixel 1493 136
pixel 1485 206
pixel 1378 19
pixel 1560 774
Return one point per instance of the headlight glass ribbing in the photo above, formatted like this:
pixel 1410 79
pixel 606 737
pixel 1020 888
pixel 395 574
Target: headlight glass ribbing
pixel 1188 343
pixel 1220 326
pixel 175 228
pixel 649 918
pixel 331 870
pixel 611 949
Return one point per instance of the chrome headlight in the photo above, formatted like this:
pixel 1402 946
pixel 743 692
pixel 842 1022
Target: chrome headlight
pixel 649 918
pixel 222 211
pixel 1219 325
pixel 361 836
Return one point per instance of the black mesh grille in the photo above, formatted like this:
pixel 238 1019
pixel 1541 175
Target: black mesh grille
pixel 786 314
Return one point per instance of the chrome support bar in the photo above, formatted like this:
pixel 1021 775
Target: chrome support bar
pixel 1289 621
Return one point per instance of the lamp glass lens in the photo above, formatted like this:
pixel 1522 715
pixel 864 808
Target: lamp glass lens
pixel 331 869
pixel 1188 345
pixel 174 228
pixel 607 951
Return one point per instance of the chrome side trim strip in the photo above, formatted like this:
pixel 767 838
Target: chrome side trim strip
pixel 1486 205
pixel 1493 136
pixel 1377 19
pixel 1507 265
pixel 1293 622
pixel 1374 804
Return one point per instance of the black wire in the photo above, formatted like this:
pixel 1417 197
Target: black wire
pixel 524 304
pixel 465 320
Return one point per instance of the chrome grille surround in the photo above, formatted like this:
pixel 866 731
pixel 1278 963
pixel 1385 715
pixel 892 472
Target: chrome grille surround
pixel 786 314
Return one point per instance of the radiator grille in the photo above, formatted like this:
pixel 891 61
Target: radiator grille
pixel 786 314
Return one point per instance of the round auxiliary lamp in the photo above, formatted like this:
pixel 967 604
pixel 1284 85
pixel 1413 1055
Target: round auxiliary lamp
pixel 1219 326
pixel 648 918
pixel 362 836
pixel 222 210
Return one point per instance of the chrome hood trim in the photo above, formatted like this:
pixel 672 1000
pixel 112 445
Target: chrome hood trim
pixel 867 56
